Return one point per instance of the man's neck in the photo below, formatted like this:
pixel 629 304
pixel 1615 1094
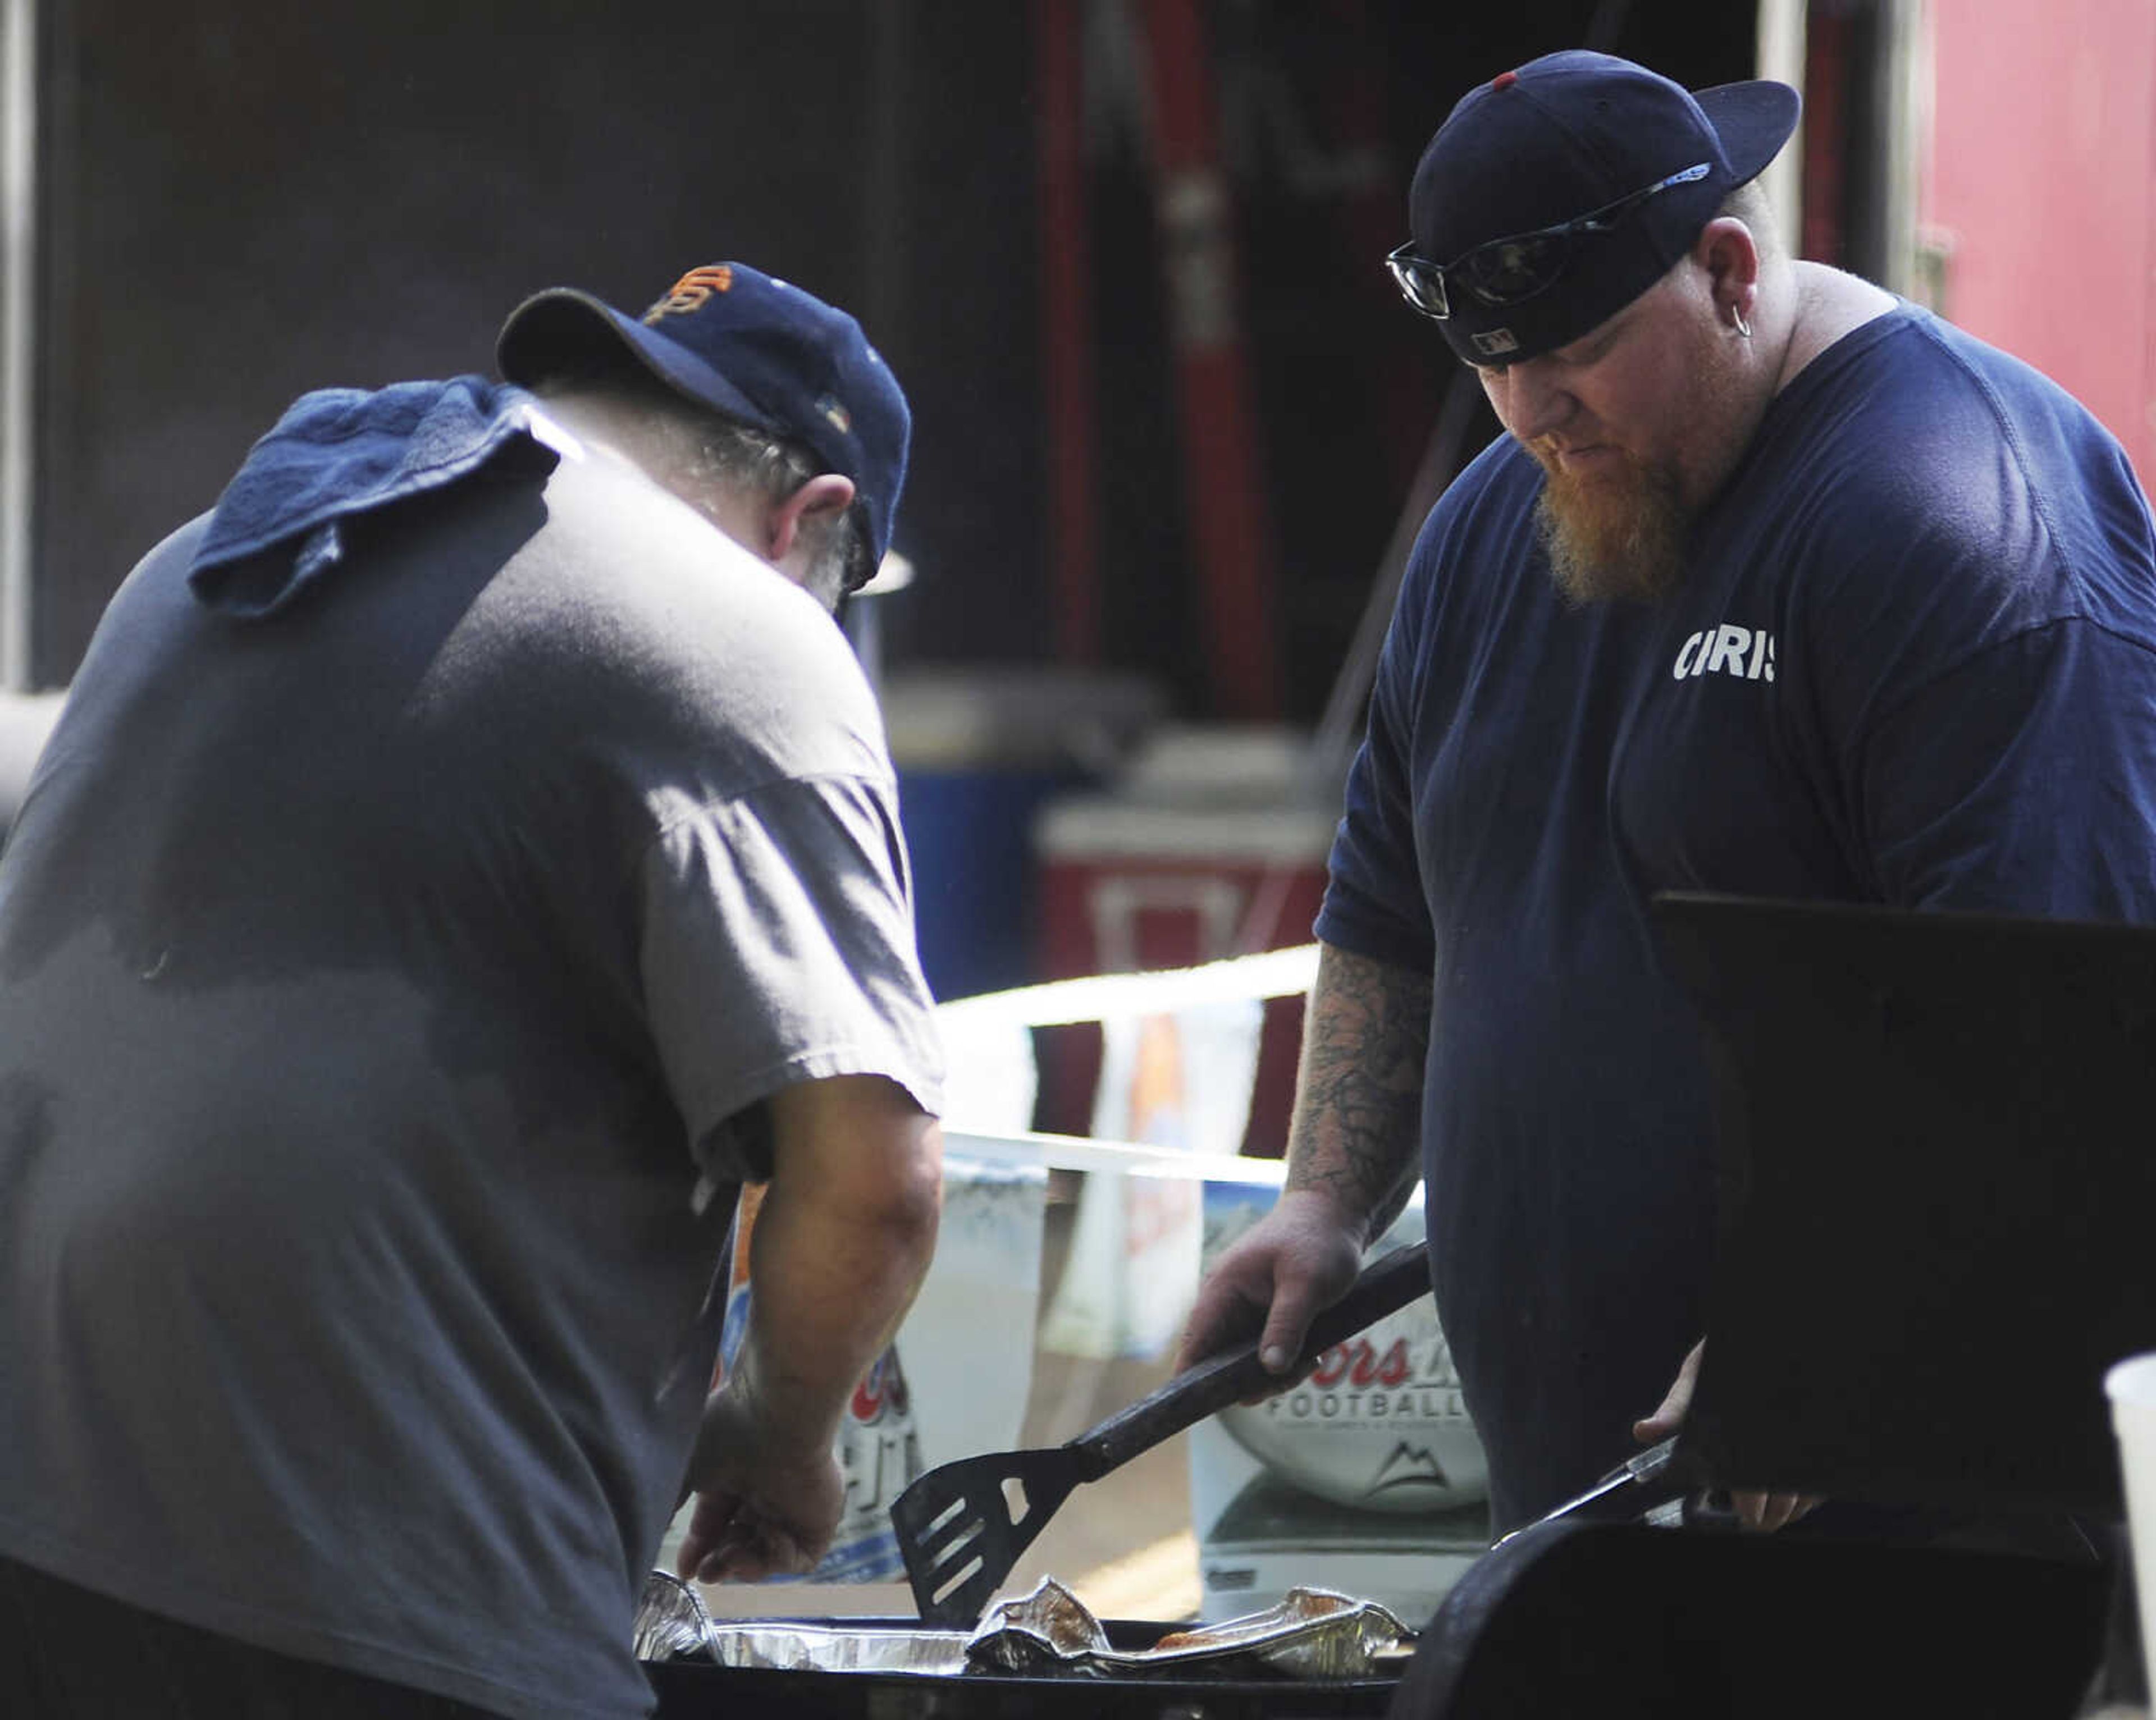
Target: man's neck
pixel 1829 304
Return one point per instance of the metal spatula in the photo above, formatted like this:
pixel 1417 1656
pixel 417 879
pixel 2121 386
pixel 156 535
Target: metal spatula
pixel 962 1527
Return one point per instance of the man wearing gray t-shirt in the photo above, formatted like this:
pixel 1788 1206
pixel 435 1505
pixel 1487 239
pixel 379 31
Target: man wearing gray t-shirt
pixel 467 855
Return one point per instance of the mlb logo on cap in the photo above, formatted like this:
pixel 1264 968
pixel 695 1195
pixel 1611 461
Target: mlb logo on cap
pixel 752 347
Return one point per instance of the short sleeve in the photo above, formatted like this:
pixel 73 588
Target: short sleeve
pixel 778 946
pixel 2025 781
pixel 1374 905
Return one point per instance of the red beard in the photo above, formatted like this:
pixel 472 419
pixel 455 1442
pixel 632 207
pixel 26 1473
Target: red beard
pixel 1616 535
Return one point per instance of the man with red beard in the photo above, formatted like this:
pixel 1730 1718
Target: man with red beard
pixel 1778 586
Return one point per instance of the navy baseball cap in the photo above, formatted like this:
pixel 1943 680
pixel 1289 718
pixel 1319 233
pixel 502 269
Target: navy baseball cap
pixel 751 347
pixel 1555 194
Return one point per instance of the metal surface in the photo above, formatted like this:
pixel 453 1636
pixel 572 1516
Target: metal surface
pixel 962 1526
pixel 1641 1482
pixel 1041 1657
pixel 1312 1635
pixel 18 263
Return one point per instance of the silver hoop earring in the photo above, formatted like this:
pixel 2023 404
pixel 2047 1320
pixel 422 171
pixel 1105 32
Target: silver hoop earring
pixel 1743 328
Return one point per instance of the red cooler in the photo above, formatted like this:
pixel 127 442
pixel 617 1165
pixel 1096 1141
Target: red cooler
pixel 1213 844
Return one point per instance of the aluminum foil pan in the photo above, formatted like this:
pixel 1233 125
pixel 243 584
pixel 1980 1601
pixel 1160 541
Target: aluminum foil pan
pixel 673 1624
pixel 792 1645
pixel 1312 1634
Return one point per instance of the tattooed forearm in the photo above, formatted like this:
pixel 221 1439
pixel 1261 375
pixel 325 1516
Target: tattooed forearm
pixel 1358 1094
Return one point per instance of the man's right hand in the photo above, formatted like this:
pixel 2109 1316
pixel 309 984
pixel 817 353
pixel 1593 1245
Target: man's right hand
pixel 841 1241
pixel 1351 1155
pixel 1294 1263
pixel 1754 1510
pixel 767 1500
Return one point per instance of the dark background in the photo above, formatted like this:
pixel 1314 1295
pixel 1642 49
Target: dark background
pixel 244 200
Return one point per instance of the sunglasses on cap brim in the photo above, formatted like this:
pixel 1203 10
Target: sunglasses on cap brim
pixel 1510 271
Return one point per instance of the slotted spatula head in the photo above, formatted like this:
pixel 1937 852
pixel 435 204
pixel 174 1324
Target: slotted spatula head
pixel 962 1526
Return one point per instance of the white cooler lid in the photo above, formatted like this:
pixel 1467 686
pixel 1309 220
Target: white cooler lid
pixel 1215 793
pixel 1078 829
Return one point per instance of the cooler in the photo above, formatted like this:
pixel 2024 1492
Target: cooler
pixel 1212 845
pixel 978 751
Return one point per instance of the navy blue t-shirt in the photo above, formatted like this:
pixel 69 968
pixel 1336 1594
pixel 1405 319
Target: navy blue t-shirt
pixel 1912 661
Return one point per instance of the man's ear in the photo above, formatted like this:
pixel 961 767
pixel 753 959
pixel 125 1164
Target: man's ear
pixel 1727 250
pixel 826 494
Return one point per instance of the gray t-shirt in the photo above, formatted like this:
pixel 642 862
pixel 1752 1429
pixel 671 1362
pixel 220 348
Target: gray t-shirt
pixel 380 983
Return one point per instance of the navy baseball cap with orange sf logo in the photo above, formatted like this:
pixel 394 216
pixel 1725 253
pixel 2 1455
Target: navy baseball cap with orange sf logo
pixel 1554 195
pixel 751 347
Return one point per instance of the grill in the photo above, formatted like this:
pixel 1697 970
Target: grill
pixel 690 1689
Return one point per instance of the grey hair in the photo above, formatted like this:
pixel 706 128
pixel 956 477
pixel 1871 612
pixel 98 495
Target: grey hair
pixel 705 446
pixel 710 447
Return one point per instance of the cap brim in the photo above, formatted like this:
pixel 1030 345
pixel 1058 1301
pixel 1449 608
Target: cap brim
pixel 549 328
pixel 894 572
pixel 1753 120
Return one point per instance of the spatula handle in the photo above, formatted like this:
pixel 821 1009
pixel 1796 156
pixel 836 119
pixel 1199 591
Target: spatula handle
pixel 1385 1285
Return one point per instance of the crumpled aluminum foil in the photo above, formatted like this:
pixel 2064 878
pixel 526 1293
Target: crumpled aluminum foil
pixel 671 1623
pixel 1312 1634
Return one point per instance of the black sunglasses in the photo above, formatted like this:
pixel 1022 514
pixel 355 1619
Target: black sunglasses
pixel 1512 270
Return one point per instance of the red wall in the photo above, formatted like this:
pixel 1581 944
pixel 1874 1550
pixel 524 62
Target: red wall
pixel 2043 172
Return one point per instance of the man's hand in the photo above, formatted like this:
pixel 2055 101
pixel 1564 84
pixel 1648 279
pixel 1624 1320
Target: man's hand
pixel 1351 1161
pixel 841 1241
pixel 1294 1262
pixel 1669 1415
pixel 1763 1511
pixel 766 1506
